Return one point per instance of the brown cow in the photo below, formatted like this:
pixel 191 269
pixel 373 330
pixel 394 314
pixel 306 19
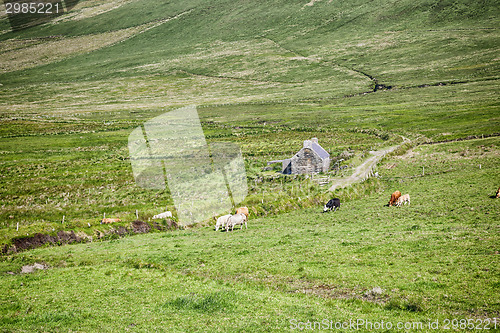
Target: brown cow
pixel 242 210
pixel 498 193
pixel 394 197
pixel 107 221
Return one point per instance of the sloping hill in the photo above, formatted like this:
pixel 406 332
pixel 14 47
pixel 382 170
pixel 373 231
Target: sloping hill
pixel 297 68
pixel 358 75
pixel 354 45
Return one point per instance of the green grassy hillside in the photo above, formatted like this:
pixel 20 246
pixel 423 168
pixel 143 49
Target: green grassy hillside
pixel 358 75
pixel 400 43
pixel 436 259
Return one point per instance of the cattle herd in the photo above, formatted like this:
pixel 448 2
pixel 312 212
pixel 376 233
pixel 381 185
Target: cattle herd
pixel 240 217
pixel 396 199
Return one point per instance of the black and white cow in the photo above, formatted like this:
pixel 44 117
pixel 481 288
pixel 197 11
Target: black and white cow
pixel 332 204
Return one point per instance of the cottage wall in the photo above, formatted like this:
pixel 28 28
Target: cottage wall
pixel 306 161
pixel 312 158
pixel 326 164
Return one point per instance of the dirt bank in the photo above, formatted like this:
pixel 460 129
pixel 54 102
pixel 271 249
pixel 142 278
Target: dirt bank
pixel 67 237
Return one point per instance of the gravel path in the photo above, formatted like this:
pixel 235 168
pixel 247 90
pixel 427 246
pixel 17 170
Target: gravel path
pixel 363 171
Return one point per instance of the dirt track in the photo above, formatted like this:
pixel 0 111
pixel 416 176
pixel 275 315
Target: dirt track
pixel 363 171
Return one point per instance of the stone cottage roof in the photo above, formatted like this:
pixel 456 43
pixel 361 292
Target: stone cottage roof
pixel 320 150
pixel 314 145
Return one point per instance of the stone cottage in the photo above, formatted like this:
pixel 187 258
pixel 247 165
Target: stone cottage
pixel 312 158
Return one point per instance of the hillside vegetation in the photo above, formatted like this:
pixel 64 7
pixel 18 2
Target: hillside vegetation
pixel 359 75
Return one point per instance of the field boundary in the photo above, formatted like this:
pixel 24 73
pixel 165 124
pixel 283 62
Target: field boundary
pixel 470 137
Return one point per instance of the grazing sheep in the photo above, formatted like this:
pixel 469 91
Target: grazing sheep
pixel 237 219
pixel 394 198
pixel 222 221
pixel 163 215
pixel 107 221
pixel 242 210
pixel 403 199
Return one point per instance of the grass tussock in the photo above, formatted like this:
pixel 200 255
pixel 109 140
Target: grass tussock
pixel 220 301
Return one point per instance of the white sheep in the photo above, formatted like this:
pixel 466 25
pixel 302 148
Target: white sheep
pixel 222 221
pixel 163 215
pixel 236 219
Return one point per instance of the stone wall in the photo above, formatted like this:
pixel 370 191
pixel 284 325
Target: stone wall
pixel 306 161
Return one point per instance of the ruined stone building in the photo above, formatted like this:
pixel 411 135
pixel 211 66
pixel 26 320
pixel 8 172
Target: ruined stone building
pixel 312 158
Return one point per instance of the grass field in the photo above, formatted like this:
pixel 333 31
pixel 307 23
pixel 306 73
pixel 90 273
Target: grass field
pixel 434 260
pixel 358 75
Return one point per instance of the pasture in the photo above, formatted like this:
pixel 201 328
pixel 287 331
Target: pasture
pixel 434 260
pixel 360 76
